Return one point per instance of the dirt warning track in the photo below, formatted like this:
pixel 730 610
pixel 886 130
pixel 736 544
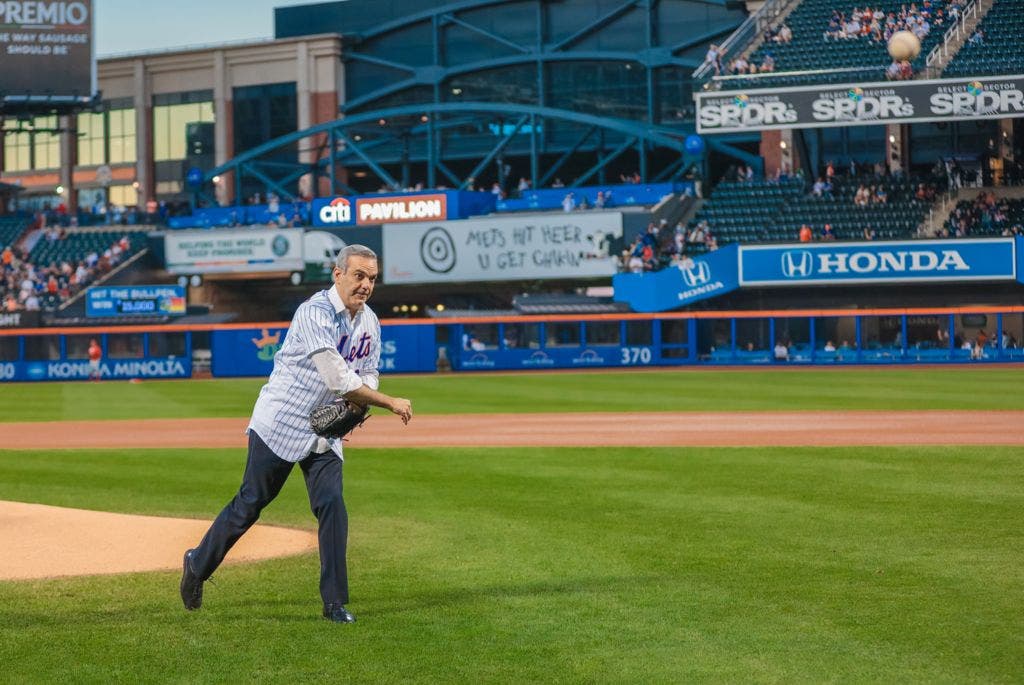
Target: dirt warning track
pixel 742 429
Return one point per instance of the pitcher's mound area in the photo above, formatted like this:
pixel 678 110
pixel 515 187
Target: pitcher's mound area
pixel 41 541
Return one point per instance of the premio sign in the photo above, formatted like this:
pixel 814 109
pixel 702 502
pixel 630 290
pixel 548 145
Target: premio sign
pixel 878 262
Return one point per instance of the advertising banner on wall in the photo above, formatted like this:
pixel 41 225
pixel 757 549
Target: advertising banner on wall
pixel 19 319
pixel 883 262
pixel 110 369
pixel 135 300
pixel 47 49
pixel 502 248
pixel 859 104
pixel 320 247
pixel 693 280
pixel 242 251
pixel 250 351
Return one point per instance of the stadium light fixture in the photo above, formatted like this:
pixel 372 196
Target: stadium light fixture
pixel 60 190
pixel 782 144
pixel 382 122
pixel 405 308
pixel 892 139
pixel 216 179
pixel 414 308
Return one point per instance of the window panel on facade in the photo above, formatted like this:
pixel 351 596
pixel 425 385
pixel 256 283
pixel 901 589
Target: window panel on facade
pixel 121 127
pixel 45 145
pixel 125 196
pixel 172 114
pixel 17 149
pixel 91 131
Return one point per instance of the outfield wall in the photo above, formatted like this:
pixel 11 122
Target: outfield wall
pixel 875 336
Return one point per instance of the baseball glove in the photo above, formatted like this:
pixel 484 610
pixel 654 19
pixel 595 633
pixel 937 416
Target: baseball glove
pixel 337 419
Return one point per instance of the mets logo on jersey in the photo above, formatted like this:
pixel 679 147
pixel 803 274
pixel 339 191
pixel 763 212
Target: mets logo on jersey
pixel 360 348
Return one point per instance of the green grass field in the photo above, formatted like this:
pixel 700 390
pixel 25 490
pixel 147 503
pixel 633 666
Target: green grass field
pixel 559 565
pixel 659 390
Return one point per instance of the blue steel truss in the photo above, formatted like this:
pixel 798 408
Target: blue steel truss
pixel 402 69
pixel 358 141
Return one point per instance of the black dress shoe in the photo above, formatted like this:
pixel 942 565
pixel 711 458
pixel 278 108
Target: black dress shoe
pixel 191 585
pixel 338 613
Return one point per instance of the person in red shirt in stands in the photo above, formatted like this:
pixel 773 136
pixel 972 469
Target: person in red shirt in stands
pixel 95 355
pixel 806 235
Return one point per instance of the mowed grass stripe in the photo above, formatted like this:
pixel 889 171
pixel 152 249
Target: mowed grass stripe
pixel 554 565
pixel 953 387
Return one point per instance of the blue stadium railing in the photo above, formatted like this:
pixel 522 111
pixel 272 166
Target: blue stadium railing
pixel 880 336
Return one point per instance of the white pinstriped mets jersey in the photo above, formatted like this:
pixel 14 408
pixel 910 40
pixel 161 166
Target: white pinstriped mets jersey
pixel 295 387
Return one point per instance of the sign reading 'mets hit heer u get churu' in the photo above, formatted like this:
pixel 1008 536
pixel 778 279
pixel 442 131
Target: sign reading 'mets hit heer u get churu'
pixel 858 104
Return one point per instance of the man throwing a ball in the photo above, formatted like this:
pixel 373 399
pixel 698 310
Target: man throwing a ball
pixel 331 351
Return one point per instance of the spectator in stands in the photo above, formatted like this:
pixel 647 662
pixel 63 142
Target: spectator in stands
pixel 881 196
pixel 524 185
pixel 862 196
pixel 713 58
pixel 827 233
pixel 568 202
pixel 834 30
pixel 818 189
pixel 738 65
pixel 557 183
pixel 829 346
pixel 781 351
pixel 95 354
pixel 698 233
pixel 784 35
pixel 599 201
pixel 583 203
pixel 870 233
pixel 805 235
pixel 977 38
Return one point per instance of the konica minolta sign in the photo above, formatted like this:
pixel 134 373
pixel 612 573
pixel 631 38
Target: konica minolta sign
pixel 881 262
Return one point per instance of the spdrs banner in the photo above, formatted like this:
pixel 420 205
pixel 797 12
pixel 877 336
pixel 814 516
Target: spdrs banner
pixel 47 49
pixel 502 248
pixel 858 104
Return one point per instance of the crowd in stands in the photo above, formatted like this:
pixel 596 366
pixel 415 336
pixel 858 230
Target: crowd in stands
pixel 27 286
pixel 662 245
pixel 986 215
pixel 878 26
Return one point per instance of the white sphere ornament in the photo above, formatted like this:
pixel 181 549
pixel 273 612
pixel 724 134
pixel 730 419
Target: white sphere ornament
pixel 904 45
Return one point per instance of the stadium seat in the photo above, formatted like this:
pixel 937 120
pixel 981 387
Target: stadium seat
pixel 808 50
pixel 1002 51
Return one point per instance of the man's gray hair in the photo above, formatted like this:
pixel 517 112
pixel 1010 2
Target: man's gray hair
pixel 353 251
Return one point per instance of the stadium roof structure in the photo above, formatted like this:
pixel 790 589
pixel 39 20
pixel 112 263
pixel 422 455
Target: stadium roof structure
pixel 479 91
